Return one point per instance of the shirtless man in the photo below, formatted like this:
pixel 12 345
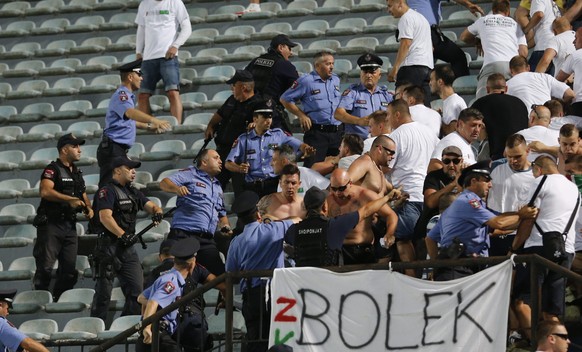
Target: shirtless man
pixel 569 140
pixel 366 171
pixel 287 203
pixel 345 197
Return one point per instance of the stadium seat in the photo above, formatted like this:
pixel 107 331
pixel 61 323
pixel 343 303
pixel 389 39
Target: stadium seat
pixel 142 178
pixel 4 89
pixel 51 26
pixel 155 185
pixel 187 74
pixel 17 29
pixel 11 159
pixel 156 233
pixel 40 158
pixel 245 53
pixel 334 7
pixel 105 5
pixel 100 110
pixel 193 123
pixel 121 324
pixel 465 85
pixel 42 132
pixel 298 8
pixel 235 34
pixel 18 213
pixel 330 45
pixel 32 113
pixel 268 10
pixel 347 26
pixel 61 67
pixel 183 55
pixel 215 74
pixel 390 45
pixel 65 86
pixel 193 100
pixel 91 46
pixel 10 133
pixel 303 67
pixel 451 35
pixel 84 129
pixel 14 9
pixel 310 29
pixel 45 7
pixel 91 183
pixel 192 152
pixel 225 13
pixel 70 110
pixel 342 67
pixel 59 47
pixel 102 84
pixel 117 298
pixel 216 323
pixel 157 103
pixel 97 64
pixel 171 203
pixel 25 69
pixel 135 150
pixel 21 51
pixel 369 6
pixel 88 155
pixel 197 14
pixel 382 24
pixel 18 236
pixel 124 43
pixel 80 329
pixel 30 302
pixel 39 329
pixel 20 269
pixel 79 6
pixel 207 56
pixel 164 150
pixel 6 111
pixel 12 188
pixel 358 46
pixel 85 24
pixel 202 36
pixel 149 262
pixel 28 89
pixel 217 100
pixel 270 30
pixel 73 300
pixel 462 18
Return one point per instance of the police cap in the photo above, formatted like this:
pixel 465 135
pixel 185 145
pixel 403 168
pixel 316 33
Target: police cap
pixel 264 108
pixel 369 61
pixel 481 167
pixel 314 198
pixel 8 296
pixel 282 39
pixel 69 138
pixel 124 161
pixel 166 246
pixel 241 76
pixel 245 203
pixel 185 249
pixel 134 66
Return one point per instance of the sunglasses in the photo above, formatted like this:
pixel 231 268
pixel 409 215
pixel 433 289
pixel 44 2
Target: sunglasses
pixel 340 188
pixel 138 72
pixel 388 150
pixel 455 161
pixel 563 336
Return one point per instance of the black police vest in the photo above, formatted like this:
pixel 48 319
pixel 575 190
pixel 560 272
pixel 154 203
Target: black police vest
pixel 125 208
pixel 262 69
pixel 239 115
pixel 195 306
pixel 68 183
pixel 311 243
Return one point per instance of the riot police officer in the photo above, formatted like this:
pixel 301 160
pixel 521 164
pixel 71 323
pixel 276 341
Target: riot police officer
pixel 122 119
pixel 62 192
pixel 117 207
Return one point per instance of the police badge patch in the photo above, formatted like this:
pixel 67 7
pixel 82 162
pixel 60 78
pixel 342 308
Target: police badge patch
pixel 48 173
pixel 102 193
pixel 475 203
pixel 346 92
pixel 123 96
pixel 169 287
pixel 294 85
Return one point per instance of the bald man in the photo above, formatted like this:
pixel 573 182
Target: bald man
pixel 368 170
pixel 539 120
pixel 559 47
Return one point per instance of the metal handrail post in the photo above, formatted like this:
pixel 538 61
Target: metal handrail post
pixel 229 313
pixel 535 301
pixel 156 336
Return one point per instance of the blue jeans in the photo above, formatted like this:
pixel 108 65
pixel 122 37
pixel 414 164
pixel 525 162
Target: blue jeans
pixel 156 69
pixel 408 215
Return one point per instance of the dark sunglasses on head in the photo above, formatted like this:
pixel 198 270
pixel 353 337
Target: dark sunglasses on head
pixel 455 161
pixel 340 188
pixel 388 150
pixel 563 336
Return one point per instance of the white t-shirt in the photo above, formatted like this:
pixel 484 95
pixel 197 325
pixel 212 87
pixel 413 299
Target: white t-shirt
pixel 572 64
pixel 414 26
pixel 414 145
pixel 309 178
pixel 160 21
pixel 563 45
pixel 555 202
pixel 540 133
pixel 509 188
pixel 455 139
pixel 368 143
pixel 535 88
pixel 558 122
pixel 427 116
pixel 346 161
pixel 500 36
pixel 543 31
pixel 452 106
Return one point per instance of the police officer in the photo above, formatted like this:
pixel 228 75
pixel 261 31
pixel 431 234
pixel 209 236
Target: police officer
pixel 274 74
pixel 200 207
pixel 362 99
pixel 319 94
pixel 122 119
pixel 463 229
pixel 117 207
pixel 318 239
pixel 252 152
pixel 62 192
pixel 11 339
pixel 232 119
pixel 166 262
pixel 258 247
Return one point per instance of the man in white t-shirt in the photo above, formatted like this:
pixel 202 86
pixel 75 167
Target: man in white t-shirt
pixel 468 129
pixel 542 14
pixel 414 59
pixel 534 87
pixel 162 28
pixel 283 155
pixel 350 149
pixel 573 65
pixel 379 124
pixel 441 83
pixel 559 47
pixel 501 39
pixel 558 119
pixel 414 96
pixel 414 146
pixel 539 120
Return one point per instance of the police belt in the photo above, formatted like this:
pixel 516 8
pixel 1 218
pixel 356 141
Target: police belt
pixel 263 181
pixel 106 139
pixel 202 234
pixel 327 128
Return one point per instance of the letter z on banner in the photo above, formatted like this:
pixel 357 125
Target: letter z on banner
pixel 318 310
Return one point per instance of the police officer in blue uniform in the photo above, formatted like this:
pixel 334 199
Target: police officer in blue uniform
pixel 274 74
pixel 11 339
pixel 116 210
pixel 122 119
pixel 319 94
pixel 63 195
pixel 362 99
pixel 463 229
pixel 252 152
pixel 200 207
pixel 258 247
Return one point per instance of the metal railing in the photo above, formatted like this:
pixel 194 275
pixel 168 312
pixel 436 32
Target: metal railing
pixel 535 262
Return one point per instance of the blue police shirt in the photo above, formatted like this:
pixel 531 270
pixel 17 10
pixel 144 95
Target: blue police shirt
pixel 118 127
pixel 200 210
pixel 430 9
pixel 258 151
pixel 166 290
pixel 319 98
pixel 358 101
pixel 10 337
pixel 258 247
pixel 465 219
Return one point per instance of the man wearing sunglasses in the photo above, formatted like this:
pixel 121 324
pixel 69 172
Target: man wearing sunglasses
pixel 368 170
pixel 552 337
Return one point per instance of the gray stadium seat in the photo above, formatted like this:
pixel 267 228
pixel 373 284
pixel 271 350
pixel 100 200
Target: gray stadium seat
pixel 298 8
pixel 270 30
pixel 42 132
pixel 183 55
pixel 164 150
pixel 234 34
pixel 390 45
pixel 193 123
pixel 142 178
pixel 20 269
pixel 157 103
pixel 207 56
pixel 28 89
pixel 460 18
pixel 217 100
pixel 84 129
pixel 59 47
pixel 121 324
pixel 17 29
pixel 4 67
pixel 358 46
pixel 33 112
pixel 79 6
pixel 369 6
pixel 39 159
pixel 187 74
pixel 45 7
pixel 325 44
pixel 216 323
pixel 155 185
pixel 65 86
pixel 120 21
pixel 117 298
pixel 268 10
pixel 135 151
pixel 97 64
pixel 303 66
pixel 310 29
pixel 124 43
pixel 155 233
pixel 465 85
pixel 197 14
pixel 5 87
pixel 347 26
pixel 18 236
pixel 73 300
pixel 6 111
pixel 225 13
pixel 70 110
pixel 39 329
pixel 85 24
pixel 215 74
pixel 382 24
pixel 193 100
pixel 12 188
pixel 202 36
pixel 80 329
pixel 149 262
pixel 245 53
pixel 88 155
pixel 61 67
pixel 191 153
pixel 100 110
pixel 11 159
pixel 334 7
pixel 91 45
pixel 109 5
pixel 10 133
pixel 171 203
pixel 21 51
pixel 102 84
pixel 30 302
pixel 51 26
pixel 14 9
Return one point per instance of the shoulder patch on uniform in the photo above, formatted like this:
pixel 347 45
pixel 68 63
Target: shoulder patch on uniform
pixel 102 193
pixel 475 203
pixel 48 173
pixel 169 287
pixel 200 184
pixel 294 85
pixel 346 92
pixel 123 96
pixel 235 143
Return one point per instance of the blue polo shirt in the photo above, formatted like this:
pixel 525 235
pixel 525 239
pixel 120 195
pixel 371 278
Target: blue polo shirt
pixel 118 127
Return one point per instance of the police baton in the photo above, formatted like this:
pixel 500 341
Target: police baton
pixel 206 141
pixel 138 236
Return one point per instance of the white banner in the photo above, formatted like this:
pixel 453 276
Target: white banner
pixel 318 310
